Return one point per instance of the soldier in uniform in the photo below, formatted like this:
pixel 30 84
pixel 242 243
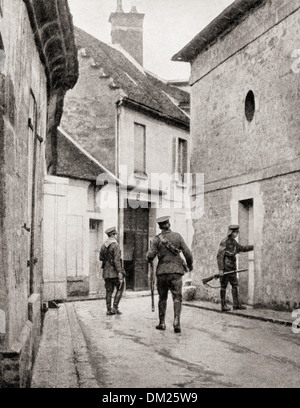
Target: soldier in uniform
pixel 167 246
pixel 113 273
pixel 226 259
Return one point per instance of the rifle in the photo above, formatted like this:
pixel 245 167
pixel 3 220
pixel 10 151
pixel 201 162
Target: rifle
pixel 209 279
pixel 152 285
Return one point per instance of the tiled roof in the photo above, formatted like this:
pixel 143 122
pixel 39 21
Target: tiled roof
pixel 139 86
pixel 75 162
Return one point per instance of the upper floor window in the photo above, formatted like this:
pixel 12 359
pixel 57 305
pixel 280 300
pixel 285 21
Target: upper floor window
pixel 139 148
pixel 182 157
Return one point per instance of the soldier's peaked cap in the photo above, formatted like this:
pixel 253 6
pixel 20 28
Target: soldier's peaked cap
pixel 112 230
pixel 161 220
pixel 234 227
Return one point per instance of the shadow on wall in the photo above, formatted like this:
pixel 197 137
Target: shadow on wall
pixel 2 322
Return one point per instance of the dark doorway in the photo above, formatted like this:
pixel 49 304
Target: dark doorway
pixel 246 261
pixel 135 245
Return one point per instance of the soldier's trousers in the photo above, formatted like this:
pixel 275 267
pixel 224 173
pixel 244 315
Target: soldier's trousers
pixel 110 285
pixel 172 282
pixel 232 279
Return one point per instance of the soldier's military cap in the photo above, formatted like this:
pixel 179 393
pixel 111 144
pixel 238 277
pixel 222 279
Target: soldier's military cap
pixel 162 220
pixel 234 227
pixel 112 230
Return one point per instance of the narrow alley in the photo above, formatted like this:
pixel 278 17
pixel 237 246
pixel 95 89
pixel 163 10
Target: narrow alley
pixel 83 348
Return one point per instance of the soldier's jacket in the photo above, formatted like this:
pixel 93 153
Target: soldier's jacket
pixel 110 255
pixel 228 250
pixel 167 261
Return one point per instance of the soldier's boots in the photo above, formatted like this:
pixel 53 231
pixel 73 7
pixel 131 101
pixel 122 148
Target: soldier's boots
pixel 117 299
pixel 236 303
pixel 162 306
pixel 239 307
pixel 115 310
pixel 161 325
pixel 108 304
pixel 224 306
pixel 177 312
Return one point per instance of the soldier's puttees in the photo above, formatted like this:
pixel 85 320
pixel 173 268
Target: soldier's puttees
pixel 226 259
pixel 113 272
pixel 167 246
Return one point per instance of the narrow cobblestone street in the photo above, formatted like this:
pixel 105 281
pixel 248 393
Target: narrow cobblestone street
pixel 82 347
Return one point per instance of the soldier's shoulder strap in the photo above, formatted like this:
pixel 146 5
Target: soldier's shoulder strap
pixel 224 242
pixel 168 245
pixel 109 255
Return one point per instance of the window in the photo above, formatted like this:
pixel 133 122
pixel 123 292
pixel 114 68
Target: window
pixel 139 148
pixel 250 106
pixel 182 159
pixel 94 225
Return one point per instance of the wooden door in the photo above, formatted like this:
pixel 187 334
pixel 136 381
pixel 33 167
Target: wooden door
pixel 55 243
pixel 136 234
pixel 74 246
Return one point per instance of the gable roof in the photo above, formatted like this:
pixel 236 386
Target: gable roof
pixel 75 162
pixel 141 90
pixel 223 24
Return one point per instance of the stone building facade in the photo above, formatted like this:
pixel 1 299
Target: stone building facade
pixel 126 117
pixel 36 72
pixel 245 123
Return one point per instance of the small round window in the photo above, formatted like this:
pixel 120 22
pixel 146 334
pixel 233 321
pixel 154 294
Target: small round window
pixel 250 106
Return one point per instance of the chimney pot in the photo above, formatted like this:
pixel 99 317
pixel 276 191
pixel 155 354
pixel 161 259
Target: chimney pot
pixel 120 7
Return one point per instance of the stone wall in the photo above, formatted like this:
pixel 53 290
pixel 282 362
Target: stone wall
pixel 22 78
pixel 26 86
pixel 256 159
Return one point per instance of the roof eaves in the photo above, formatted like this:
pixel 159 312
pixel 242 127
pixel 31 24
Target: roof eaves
pixel 154 113
pixel 220 26
pixel 176 103
pixel 53 29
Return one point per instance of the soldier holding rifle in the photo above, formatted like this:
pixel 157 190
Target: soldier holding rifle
pixel 167 246
pixel 226 258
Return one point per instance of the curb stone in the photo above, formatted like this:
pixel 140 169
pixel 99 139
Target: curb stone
pixel 253 316
pixel 86 378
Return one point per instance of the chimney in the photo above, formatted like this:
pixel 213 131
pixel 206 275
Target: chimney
pixel 127 30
